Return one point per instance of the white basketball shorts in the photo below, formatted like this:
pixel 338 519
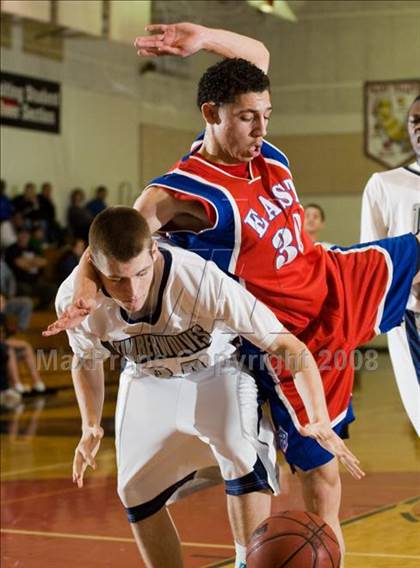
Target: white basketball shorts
pixel 166 429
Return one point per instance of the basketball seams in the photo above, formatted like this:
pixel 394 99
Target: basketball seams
pixel 301 523
pixel 330 536
pixel 308 535
pixel 314 555
pixel 261 543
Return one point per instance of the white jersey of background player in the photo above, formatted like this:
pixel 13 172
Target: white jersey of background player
pixel 183 403
pixel 391 207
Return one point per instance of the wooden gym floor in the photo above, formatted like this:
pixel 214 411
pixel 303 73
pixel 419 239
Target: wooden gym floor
pixel 48 523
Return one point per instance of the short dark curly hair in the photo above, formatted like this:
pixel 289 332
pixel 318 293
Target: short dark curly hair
pixel 224 81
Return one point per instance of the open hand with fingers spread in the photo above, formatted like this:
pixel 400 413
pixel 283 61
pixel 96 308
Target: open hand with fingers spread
pixel 330 441
pixel 85 452
pixel 71 317
pixel 182 39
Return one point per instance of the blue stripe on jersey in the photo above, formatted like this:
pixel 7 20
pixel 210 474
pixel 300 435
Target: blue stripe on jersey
pixel 272 153
pixel 404 252
pixel 413 338
pixel 216 243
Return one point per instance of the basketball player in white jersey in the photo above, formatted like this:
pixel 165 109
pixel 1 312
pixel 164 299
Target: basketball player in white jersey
pixel 391 207
pixel 183 402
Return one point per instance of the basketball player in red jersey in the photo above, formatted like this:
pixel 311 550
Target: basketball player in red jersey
pixel 232 199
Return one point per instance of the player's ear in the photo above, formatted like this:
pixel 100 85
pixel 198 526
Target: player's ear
pixel 210 112
pixel 154 250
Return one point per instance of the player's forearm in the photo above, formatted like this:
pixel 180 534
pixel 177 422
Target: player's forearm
pixel 309 385
pixel 299 360
pixel 230 44
pixel 89 386
pixel 86 284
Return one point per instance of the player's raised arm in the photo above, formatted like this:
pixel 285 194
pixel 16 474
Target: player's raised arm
pixel 88 381
pixel 184 39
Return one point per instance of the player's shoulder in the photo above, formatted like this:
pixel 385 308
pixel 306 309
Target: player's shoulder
pixel 388 176
pixel 65 291
pixel 65 294
pixel 183 262
pixel 190 268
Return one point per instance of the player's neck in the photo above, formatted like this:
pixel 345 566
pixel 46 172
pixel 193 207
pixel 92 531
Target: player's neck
pixel 315 237
pixel 211 151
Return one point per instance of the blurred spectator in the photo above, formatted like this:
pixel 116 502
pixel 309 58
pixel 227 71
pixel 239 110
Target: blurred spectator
pixel 314 220
pixel 27 202
pixel 78 217
pixel 47 213
pixel 27 267
pixel 9 398
pixel 18 349
pixel 38 242
pixel 6 207
pixel 17 307
pixel 98 204
pixel 10 228
pixel 314 223
pixel 70 259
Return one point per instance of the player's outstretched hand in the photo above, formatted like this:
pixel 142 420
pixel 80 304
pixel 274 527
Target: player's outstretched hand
pixel 181 39
pixel 85 452
pixel 71 317
pixel 330 441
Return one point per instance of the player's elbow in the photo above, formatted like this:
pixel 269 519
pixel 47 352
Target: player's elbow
pixel 292 351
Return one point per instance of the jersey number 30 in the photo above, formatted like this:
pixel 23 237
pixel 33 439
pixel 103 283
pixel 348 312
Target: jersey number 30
pixel 282 242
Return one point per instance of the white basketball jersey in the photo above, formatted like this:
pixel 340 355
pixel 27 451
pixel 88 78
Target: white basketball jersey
pixel 199 310
pixel 391 207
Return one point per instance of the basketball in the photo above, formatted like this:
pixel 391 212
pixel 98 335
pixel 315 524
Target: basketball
pixel 293 539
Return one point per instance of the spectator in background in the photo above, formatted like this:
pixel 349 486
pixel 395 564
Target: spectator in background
pixel 9 229
pixel 78 217
pixel 27 268
pixel 98 204
pixel 27 203
pixel 9 398
pixel 17 307
pixel 38 241
pixel 6 207
pixel 18 349
pixel 47 214
pixel 314 223
pixel 70 259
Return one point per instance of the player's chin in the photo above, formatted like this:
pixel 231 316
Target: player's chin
pixel 246 156
pixel 134 306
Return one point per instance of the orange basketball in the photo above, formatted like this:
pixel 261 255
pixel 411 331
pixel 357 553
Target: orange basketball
pixel 293 539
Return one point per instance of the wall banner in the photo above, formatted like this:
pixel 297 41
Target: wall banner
pixel 386 106
pixel 30 103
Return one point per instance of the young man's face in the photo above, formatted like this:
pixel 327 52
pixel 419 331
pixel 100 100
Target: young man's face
pixel 128 283
pixel 242 126
pixel 313 222
pixel 414 127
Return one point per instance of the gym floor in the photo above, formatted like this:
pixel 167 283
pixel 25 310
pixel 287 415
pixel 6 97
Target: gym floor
pixel 47 522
